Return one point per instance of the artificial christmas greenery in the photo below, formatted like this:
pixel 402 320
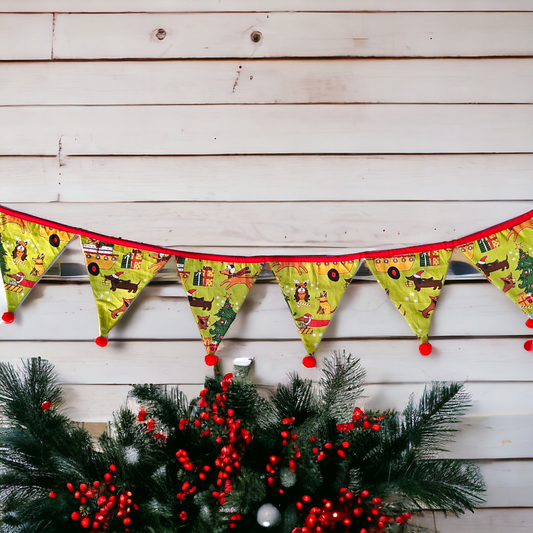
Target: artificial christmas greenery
pixel 305 460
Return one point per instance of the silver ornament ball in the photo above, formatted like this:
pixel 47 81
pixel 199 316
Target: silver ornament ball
pixel 268 515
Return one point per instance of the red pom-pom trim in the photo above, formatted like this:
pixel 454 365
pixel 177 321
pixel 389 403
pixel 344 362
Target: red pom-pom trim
pixel 425 348
pixel 101 341
pixel 528 346
pixel 309 361
pixel 529 323
pixel 211 360
pixel 8 318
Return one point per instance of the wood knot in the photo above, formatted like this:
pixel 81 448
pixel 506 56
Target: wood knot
pixel 160 34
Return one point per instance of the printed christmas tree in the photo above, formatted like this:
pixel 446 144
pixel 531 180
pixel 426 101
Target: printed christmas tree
pixel 525 264
pixel 226 315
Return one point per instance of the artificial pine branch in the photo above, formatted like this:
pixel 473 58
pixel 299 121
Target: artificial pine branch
pixel 211 465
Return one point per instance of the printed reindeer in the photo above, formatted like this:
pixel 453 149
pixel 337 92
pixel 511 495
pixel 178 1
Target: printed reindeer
pixel 488 268
pixel 121 309
pixel 160 261
pixel 243 276
pixel 508 283
pixel 425 312
pixel 117 283
pixel 515 230
pixel 4 219
pixel 288 264
pixel 424 283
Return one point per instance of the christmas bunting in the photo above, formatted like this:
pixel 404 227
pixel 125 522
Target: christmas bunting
pixel 216 286
pixel 216 291
pixel 313 291
pixel 413 282
pixel 27 250
pixel 505 258
pixel 117 274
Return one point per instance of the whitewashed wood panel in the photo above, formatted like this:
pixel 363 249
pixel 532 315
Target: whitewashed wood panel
pixel 25 37
pixel 342 227
pixel 386 361
pixel 110 36
pixel 268 82
pixel 266 129
pixel 68 312
pixel 122 6
pixel 220 178
pixel 498 520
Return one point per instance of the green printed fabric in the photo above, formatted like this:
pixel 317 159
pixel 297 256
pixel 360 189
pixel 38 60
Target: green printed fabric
pixel 118 274
pixel 27 251
pixel 506 259
pixel 413 282
pixel 313 292
pixel 216 291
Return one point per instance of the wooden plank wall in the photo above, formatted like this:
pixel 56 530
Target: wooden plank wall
pixel 348 125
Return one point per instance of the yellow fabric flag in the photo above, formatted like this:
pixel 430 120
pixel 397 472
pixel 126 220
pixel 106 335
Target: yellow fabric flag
pixel 413 282
pixel 313 291
pixel 505 258
pixel 27 251
pixel 117 275
pixel 216 291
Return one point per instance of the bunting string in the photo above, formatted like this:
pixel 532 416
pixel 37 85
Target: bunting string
pixel 217 285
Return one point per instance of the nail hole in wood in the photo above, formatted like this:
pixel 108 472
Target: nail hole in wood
pixel 160 34
pixel 256 36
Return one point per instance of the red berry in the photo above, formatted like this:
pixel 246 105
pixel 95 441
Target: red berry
pixel 86 522
pixel 126 521
pixel 108 476
pixel 46 405
pixel 75 516
pixel 70 487
pixel 113 468
pixel 83 488
pixel 52 494
pixel 365 493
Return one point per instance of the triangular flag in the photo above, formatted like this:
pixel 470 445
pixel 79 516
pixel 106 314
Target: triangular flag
pixel 117 275
pixel 313 291
pixel 27 251
pixel 216 291
pixel 413 282
pixel 505 258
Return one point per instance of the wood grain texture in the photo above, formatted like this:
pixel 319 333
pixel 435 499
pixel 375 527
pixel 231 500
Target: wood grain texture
pixel 25 36
pixel 267 82
pixel 67 312
pixel 343 227
pixel 497 520
pixel 112 36
pixel 221 178
pixel 119 6
pixel 385 361
pixel 266 129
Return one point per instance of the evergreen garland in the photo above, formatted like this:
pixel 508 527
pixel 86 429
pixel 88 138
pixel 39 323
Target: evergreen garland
pixel 305 460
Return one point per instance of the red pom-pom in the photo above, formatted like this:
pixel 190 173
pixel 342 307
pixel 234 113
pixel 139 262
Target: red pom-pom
pixel 529 323
pixel 46 405
pixel 528 345
pixel 211 360
pixel 425 348
pixel 101 341
pixel 8 318
pixel 309 361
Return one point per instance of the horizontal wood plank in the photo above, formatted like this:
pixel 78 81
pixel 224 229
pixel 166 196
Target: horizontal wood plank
pixel 510 520
pixel 195 6
pixel 112 36
pixel 266 129
pixel 384 360
pixel 68 312
pixel 267 82
pixel 343 227
pixel 220 178
pixel 25 36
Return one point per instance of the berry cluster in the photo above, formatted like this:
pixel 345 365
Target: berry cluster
pixel 360 420
pixel 359 513
pixel 99 503
pixel 150 425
